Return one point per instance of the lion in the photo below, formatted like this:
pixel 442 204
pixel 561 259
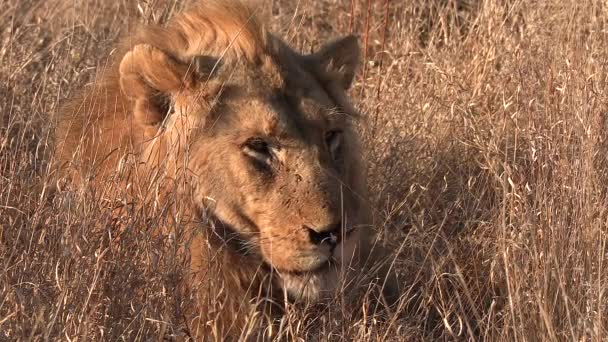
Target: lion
pixel 255 141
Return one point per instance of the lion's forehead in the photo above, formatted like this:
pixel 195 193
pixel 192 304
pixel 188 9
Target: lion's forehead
pixel 283 113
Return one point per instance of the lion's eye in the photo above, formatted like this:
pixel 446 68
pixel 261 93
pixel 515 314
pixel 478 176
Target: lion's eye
pixel 258 149
pixel 333 140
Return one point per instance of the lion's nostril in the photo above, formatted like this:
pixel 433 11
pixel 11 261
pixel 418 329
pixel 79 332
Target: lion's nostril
pixel 329 234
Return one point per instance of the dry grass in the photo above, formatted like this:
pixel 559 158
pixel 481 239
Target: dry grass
pixel 487 142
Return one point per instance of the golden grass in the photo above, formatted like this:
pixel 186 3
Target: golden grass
pixel 487 144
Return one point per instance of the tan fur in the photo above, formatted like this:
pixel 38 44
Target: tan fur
pixel 180 105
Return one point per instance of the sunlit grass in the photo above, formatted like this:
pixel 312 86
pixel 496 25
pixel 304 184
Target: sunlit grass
pixel 484 124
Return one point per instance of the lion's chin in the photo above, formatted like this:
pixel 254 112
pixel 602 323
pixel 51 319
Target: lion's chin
pixel 313 286
pixel 322 282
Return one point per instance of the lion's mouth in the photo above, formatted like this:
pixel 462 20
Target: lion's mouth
pixel 311 285
pixel 323 267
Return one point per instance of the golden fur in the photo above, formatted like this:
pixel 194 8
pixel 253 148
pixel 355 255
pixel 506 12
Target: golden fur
pixel 252 138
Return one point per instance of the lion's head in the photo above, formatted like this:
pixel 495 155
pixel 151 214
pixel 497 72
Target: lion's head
pixel 261 136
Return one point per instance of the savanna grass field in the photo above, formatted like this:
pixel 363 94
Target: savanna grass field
pixel 485 132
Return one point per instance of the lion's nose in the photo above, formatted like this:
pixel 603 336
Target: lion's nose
pixel 328 234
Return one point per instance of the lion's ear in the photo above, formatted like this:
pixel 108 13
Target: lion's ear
pixel 340 58
pixel 151 77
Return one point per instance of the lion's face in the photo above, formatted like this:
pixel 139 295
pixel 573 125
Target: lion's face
pixel 276 171
pixel 277 174
pixel 273 159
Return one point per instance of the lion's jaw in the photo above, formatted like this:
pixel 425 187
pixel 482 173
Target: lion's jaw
pixel 305 272
pixel 325 282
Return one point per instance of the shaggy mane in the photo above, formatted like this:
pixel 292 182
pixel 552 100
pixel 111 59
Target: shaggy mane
pixel 230 30
pixel 215 28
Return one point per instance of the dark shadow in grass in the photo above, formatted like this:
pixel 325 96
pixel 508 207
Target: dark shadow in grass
pixel 430 201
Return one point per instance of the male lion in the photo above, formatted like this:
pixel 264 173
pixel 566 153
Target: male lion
pixel 252 140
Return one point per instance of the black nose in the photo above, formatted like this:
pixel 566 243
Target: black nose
pixel 329 234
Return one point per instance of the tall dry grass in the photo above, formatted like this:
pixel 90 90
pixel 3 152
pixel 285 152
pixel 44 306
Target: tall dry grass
pixel 486 138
